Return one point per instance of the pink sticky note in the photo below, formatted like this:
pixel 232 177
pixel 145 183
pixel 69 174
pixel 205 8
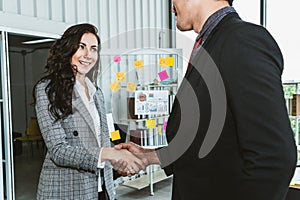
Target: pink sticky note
pixel 163 75
pixel 165 125
pixel 117 59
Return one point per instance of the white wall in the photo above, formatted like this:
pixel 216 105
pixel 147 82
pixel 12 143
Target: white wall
pixel 112 17
pixel 282 21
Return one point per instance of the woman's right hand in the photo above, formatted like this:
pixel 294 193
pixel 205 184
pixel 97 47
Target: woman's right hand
pixel 123 161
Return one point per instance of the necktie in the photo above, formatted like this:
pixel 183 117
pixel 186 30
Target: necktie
pixel 196 45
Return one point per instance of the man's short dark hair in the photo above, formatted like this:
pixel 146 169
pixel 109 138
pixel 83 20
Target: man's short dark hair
pixel 230 2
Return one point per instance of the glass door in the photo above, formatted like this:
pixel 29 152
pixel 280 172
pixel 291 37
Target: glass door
pixel 6 168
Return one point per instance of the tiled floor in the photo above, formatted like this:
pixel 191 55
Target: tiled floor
pixel 162 191
pixel 27 168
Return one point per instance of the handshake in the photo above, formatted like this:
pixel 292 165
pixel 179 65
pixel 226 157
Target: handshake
pixel 129 158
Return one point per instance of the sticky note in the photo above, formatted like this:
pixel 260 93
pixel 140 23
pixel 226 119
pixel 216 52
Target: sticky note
pixel 151 123
pixel 165 125
pixel 115 135
pixel 115 86
pixel 120 76
pixel 163 75
pixel 138 64
pixel 117 59
pixel 159 129
pixel 165 62
pixel 162 62
pixel 170 61
pixel 131 87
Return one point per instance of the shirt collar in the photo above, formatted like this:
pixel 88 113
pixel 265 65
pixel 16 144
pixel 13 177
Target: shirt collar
pixel 80 88
pixel 213 21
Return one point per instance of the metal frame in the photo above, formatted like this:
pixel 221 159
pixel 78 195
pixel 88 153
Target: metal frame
pixel 263 12
pixel 6 122
pixel 144 52
pixel 1 101
pixel 7 125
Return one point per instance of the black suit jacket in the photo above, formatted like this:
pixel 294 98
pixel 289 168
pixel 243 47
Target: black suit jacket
pixel 255 155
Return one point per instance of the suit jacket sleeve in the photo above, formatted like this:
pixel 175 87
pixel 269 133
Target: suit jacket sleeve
pixel 255 95
pixel 56 139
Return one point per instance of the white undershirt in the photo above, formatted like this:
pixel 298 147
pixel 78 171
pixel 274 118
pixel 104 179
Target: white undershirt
pixel 91 107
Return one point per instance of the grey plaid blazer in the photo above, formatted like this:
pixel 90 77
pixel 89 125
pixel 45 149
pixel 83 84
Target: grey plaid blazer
pixel 70 167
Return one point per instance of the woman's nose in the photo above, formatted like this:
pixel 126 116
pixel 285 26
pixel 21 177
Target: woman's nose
pixel 87 54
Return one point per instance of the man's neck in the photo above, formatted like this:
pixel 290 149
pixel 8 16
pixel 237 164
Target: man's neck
pixel 204 11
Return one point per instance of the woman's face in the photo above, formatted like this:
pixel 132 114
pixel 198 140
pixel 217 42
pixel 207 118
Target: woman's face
pixel 86 55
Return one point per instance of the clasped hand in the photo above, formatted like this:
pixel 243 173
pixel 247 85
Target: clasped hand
pixel 134 159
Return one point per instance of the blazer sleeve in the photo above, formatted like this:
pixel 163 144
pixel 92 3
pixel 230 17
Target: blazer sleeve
pixel 62 153
pixel 253 65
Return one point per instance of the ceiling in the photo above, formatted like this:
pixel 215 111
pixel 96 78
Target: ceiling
pixel 16 41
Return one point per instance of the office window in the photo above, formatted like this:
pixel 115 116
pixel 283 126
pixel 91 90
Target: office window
pixel 282 22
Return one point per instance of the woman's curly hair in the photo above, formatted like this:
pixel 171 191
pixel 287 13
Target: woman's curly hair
pixel 60 72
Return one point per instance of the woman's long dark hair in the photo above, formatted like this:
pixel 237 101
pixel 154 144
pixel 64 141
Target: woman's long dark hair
pixel 60 72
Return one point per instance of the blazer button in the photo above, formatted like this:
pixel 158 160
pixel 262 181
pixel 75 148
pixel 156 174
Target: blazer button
pixel 75 133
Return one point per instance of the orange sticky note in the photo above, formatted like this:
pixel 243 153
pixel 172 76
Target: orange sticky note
pixel 151 123
pixel 162 62
pixel 115 86
pixel 138 64
pixel 115 135
pixel 120 76
pixel 131 87
pixel 159 129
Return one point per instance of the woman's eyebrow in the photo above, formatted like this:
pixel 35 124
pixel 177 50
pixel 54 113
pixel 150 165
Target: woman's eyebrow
pixel 86 45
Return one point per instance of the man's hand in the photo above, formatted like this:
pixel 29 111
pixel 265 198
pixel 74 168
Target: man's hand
pixel 148 156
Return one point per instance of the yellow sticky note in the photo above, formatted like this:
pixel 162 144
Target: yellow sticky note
pixel 115 135
pixel 159 129
pixel 170 61
pixel 162 62
pixel 131 87
pixel 115 86
pixel 138 64
pixel 151 123
pixel 166 62
pixel 120 76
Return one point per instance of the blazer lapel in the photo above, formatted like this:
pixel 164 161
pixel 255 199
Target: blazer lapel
pixel 99 102
pixel 83 111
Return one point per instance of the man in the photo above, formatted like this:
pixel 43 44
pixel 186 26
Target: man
pixel 253 155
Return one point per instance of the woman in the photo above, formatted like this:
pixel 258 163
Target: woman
pixel 71 115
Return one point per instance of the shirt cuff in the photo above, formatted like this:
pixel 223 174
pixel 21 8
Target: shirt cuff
pixel 100 164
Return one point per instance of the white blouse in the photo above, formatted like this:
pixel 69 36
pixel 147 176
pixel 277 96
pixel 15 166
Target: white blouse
pixel 91 107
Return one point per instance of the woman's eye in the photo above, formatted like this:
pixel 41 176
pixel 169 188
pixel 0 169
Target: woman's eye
pixel 81 46
pixel 95 49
